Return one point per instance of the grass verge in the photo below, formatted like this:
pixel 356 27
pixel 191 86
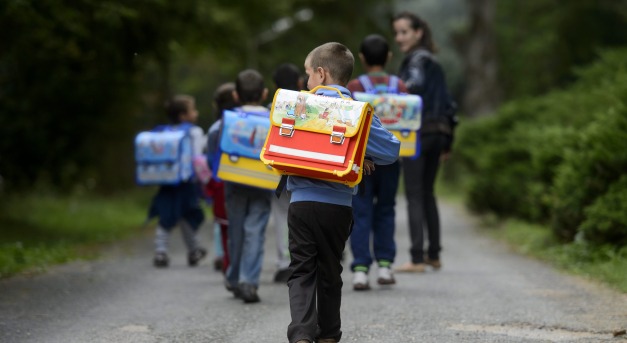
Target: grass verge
pixel 39 230
pixel 606 264
pixel 602 263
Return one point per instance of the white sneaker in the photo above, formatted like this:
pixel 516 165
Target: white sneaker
pixel 360 281
pixel 386 276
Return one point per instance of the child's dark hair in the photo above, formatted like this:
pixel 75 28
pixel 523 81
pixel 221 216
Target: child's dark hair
pixel 375 50
pixel 223 98
pixel 177 105
pixel 249 86
pixel 335 58
pixel 287 76
pixel 417 23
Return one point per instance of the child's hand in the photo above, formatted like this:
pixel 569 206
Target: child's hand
pixel 368 167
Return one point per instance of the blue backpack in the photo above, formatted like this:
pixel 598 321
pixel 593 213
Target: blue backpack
pixel 242 138
pixel 164 155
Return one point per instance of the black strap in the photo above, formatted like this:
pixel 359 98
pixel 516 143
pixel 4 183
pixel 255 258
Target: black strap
pixel 281 186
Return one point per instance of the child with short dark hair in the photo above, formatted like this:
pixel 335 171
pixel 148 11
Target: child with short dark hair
pixel 320 215
pixel 180 204
pixel 248 208
pixel 373 208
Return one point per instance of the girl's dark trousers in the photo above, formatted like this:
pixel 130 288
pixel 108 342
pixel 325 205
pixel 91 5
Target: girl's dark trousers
pixel 317 236
pixel 419 176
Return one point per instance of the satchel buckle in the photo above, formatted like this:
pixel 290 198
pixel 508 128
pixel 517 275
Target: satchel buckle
pixel 337 135
pixel 287 127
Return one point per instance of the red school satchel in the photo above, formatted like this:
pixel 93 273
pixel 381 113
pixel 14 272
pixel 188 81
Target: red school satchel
pixel 318 136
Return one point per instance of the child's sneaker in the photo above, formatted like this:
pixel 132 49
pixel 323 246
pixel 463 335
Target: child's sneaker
pixel 386 276
pixel 161 260
pixel 217 264
pixel 360 281
pixel 195 256
pixel 249 293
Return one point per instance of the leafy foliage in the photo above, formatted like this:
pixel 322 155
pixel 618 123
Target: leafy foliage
pixel 540 42
pixel 588 171
pixel 554 158
pixel 79 78
pixel 605 217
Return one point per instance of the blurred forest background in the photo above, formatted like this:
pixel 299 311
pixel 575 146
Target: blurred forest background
pixel 542 88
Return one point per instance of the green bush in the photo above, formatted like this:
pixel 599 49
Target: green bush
pixel 588 171
pixel 512 159
pixel 547 159
pixel 606 218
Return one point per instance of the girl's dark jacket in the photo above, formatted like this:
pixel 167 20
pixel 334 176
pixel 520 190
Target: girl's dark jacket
pixel 424 76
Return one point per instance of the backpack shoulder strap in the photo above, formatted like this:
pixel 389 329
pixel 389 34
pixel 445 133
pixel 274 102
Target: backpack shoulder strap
pixel 186 126
pixel 281 186
pixel 393 84
pixel 159 128
pixel 366 83
pixel 241 111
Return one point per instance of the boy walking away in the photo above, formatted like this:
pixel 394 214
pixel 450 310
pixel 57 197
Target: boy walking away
pixel 248 208
pixel 320 215
pixel 286 76
pixel 373 207
pixel 180 204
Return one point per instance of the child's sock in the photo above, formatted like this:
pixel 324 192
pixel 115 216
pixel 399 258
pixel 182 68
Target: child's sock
pixel 217 241
pixel 189 236
pixel 162 237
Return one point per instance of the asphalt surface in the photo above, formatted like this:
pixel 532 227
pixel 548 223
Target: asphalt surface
pixel 483 293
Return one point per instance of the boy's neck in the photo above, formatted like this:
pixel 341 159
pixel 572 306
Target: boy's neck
pixel 374 69
pixel 330 82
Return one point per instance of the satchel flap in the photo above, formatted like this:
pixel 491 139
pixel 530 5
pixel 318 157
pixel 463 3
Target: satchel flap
pixel 162 146
pixel 396 111
pixel 317 113
pixel 244 134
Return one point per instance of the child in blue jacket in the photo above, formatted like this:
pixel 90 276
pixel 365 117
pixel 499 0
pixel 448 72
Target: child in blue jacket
pixel 374 207
pixel 320 215
pixel 248 208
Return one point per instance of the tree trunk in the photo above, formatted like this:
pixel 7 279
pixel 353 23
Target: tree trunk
pixel 482 94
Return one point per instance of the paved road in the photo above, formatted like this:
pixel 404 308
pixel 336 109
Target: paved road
pixel 484 293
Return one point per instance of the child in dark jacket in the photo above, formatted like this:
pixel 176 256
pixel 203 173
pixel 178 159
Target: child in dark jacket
pixel 223 100
pixel 180 204
pixel 320 215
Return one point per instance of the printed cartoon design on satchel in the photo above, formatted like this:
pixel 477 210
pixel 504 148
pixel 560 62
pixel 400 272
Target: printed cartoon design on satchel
pixel 315 113
pixel 399 113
